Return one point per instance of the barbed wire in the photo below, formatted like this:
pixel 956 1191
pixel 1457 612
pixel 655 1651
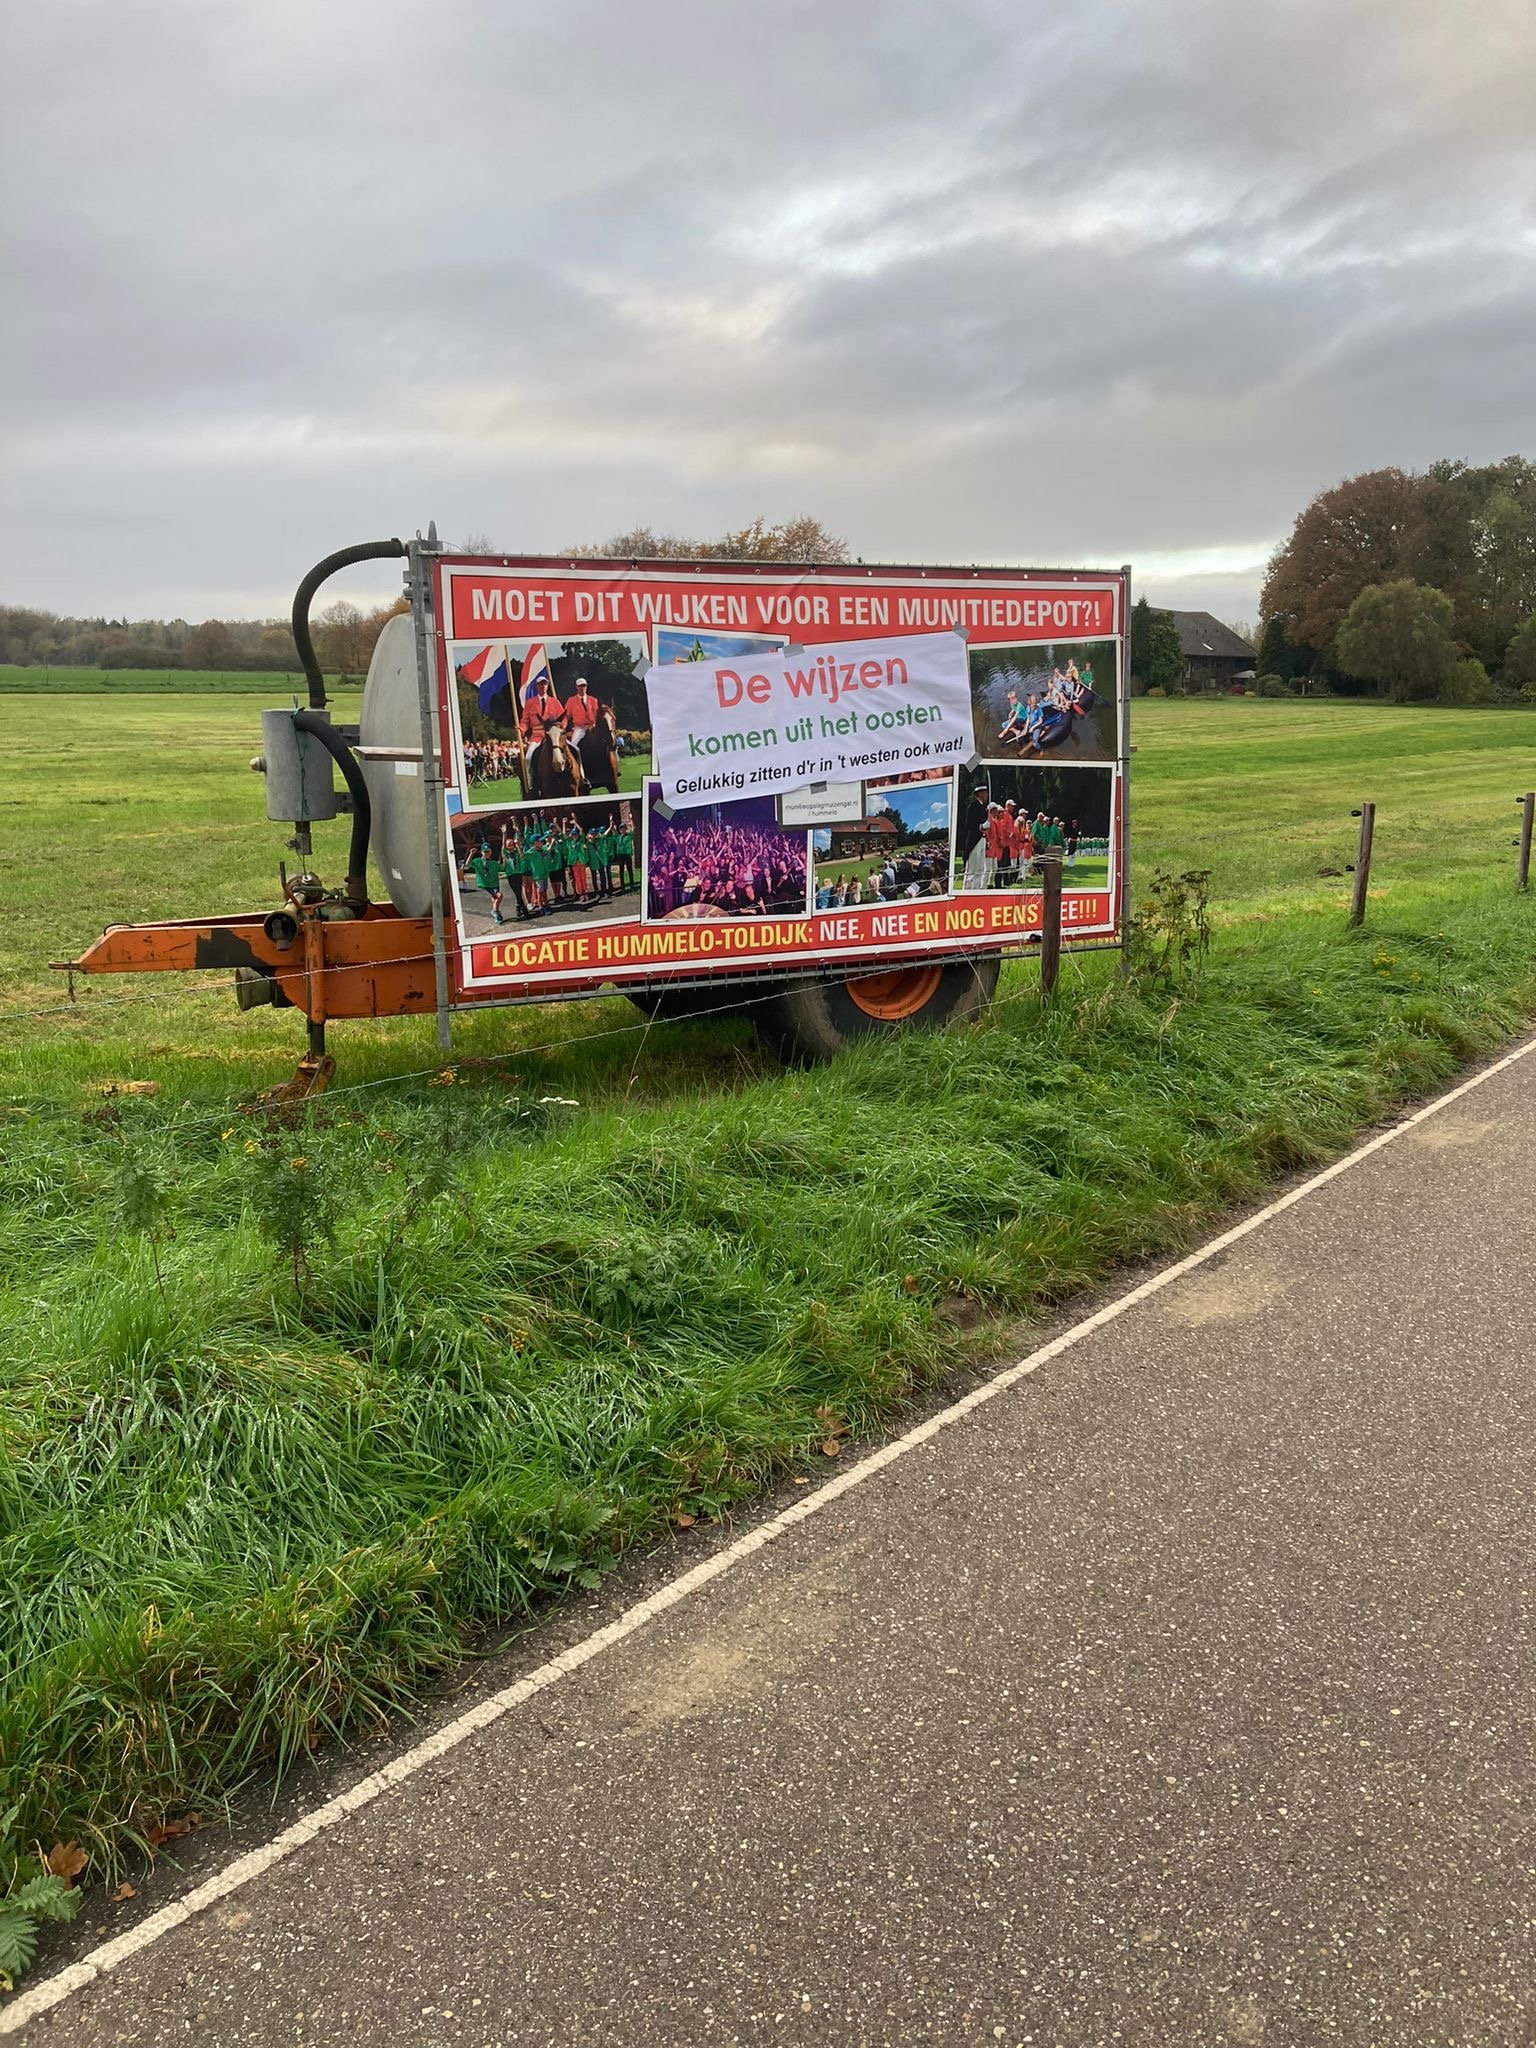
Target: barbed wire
pixel 448 1065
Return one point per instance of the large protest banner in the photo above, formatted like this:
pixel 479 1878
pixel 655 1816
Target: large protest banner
pixel 658 770
pixel 782 720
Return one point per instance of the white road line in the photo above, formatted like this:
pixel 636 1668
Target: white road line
pixel 52 1991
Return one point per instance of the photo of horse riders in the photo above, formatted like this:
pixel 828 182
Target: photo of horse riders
pixel 1010 815
pixel 547 865
pixel 722 860
pixel 551 720
pixel 1045 702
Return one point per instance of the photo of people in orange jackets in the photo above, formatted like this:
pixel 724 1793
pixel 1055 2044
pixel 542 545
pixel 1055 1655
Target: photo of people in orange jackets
pixel 1010 816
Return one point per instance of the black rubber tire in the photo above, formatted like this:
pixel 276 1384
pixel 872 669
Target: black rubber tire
pixel 808 1022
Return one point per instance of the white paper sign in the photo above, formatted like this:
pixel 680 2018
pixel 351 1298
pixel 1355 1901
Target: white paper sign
pixel 763 723
pixel 822 803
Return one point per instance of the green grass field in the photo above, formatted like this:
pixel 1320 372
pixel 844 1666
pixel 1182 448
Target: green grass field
pixel 1088 871
pixel 288 1409
pixel 271 687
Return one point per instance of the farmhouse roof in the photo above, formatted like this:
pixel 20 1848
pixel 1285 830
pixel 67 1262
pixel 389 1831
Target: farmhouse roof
pixel 1201 635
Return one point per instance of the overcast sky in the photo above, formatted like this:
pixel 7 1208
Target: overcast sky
pixel 969 280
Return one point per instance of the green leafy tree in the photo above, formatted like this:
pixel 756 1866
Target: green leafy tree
pixel 1275 651
pixel 1519 667
pixel 1164 654
pixel 1467 683
pixel 1400 635
pixel 1157 660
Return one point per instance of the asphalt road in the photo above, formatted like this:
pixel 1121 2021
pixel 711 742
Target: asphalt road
pixel 1180 1695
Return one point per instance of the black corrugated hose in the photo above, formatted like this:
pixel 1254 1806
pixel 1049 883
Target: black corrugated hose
pixel 365 551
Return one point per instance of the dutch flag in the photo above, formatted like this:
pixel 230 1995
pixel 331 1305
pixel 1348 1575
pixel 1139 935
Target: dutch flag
pixel 536 675
pixel 488 672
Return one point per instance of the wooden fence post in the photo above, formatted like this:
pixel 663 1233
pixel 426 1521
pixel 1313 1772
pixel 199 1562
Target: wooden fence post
pixel 1527 818
pixel 1049 865
pixel 1367 816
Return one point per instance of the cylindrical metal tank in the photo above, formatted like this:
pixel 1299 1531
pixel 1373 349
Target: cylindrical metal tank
pixel 390 751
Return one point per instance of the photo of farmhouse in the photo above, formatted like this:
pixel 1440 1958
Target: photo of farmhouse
pixel 898 849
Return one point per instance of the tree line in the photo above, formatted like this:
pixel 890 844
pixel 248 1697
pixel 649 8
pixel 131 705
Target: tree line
pixel 344 636
pixel 1412 584
pixel 1405 583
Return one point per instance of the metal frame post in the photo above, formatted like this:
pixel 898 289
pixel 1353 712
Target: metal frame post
pixel 1527 819
pixel 1048 868
pixel 1125 772
pixel 419 585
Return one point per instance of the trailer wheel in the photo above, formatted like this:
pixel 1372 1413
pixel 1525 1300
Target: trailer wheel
pixel 811 1021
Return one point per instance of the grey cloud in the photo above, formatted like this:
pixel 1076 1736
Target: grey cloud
pixel 977 280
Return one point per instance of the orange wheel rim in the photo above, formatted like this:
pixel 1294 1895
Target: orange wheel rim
pixel 899 992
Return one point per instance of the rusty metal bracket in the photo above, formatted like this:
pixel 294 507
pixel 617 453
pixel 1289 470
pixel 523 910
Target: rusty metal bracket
pixel 311 1077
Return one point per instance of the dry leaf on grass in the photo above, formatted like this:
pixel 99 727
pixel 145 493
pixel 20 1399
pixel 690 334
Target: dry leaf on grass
pixel 66 1860
pixel 125 1891
pixel 172 1830
pixel 836 1429
pixel 130 1087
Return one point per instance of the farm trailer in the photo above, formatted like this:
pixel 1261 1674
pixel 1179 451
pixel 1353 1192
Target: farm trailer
pixel 459 798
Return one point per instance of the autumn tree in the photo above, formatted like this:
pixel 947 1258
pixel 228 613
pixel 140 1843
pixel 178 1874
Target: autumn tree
pixel 1367 530
pixel 374 625
pixel 1468 531
pixel 210 645
pixel 1400 634
pixel 339 639
pixel 790 540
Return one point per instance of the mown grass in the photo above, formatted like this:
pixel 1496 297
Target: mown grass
pixel 448 1347
pixel 52 679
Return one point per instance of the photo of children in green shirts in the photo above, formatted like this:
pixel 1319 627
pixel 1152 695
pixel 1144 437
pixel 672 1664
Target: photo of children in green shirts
pixel 547 865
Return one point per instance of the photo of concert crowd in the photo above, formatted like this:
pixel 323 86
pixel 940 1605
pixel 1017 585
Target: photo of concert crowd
pixel 551 720
pixel 1049 702
pixel 547 865
pixel 722 860
pixel 1009 815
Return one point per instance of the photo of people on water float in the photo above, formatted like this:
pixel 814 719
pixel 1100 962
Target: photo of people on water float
pixel 1010 815
pixel 546 866
pixel 897 852
pixel 1045 702
pixel 551 720
pixel 722 860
